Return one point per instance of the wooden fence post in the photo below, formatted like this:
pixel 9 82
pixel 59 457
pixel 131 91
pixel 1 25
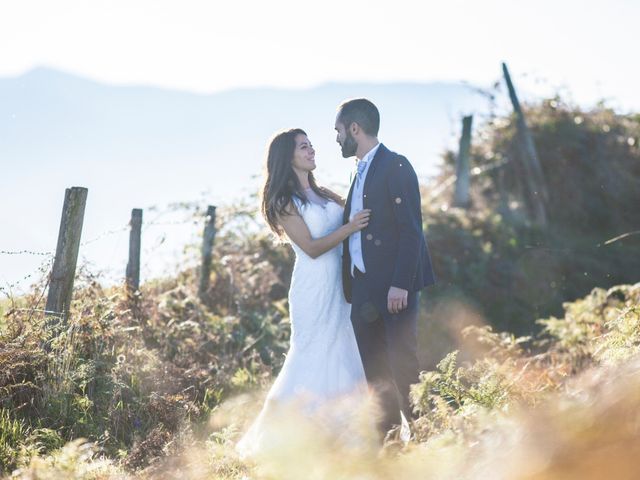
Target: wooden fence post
pixel 64 264
pixel 535 181
pixel 133 266
pixel 461 196
pixel 207 250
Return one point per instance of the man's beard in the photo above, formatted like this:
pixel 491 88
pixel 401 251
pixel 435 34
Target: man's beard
pixel 349 146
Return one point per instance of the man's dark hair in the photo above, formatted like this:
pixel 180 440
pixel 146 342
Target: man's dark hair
pixel 361 111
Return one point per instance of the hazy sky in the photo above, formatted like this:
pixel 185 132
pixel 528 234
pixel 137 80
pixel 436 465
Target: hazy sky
pixel 587 46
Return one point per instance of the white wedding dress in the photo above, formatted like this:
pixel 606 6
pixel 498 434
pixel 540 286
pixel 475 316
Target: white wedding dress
pixel 323 363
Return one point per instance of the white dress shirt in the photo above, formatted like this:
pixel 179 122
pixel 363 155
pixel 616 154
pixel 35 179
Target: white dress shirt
pixel 355 240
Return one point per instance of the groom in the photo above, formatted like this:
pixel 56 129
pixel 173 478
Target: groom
pixel 385 265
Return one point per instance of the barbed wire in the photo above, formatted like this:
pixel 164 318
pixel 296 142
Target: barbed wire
pixel 52 253
pixel 42 268
pixel 102 235
pixel 25 252
pixel 105 234
pixel 48 263
pixel 155 221
pixel 174 222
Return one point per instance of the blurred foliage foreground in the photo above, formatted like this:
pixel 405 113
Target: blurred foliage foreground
pixel 161 383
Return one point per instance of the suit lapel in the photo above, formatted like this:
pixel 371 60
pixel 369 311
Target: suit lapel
pixel 377 158
pixel 347 205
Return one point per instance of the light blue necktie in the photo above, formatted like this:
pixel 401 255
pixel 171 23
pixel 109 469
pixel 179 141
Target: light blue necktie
pixel 362 164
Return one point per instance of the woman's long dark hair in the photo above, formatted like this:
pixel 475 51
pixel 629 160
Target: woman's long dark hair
pixel 281 183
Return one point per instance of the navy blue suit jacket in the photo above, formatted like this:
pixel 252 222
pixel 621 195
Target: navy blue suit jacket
pixel 393 245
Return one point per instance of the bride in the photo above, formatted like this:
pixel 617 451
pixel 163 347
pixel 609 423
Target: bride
pixel 323 363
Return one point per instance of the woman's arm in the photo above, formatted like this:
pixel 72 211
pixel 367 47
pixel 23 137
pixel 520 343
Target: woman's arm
pixel 334 196
pixel 298 232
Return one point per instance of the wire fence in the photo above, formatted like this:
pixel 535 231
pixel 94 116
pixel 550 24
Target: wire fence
pixel 25 252
pixel 41 273
pixel 42 270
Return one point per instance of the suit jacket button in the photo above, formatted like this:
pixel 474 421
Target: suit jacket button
pixel 369 237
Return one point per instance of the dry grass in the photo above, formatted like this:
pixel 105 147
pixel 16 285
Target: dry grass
pixel 552 407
